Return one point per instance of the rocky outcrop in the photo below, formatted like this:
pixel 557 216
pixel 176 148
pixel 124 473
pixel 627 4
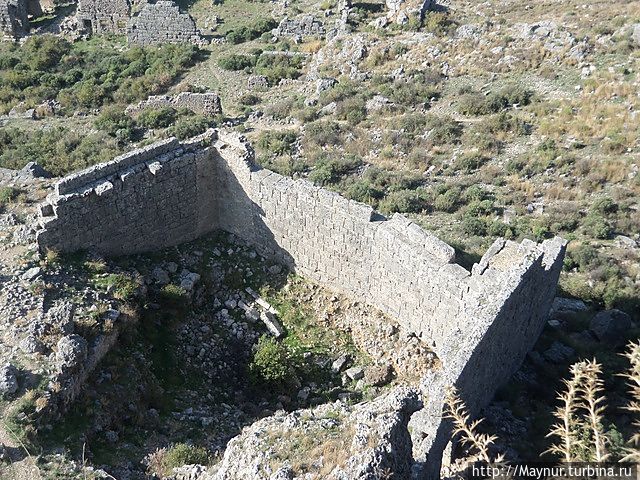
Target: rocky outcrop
pixel 344 442
pixel 207 104
pixel 401 11
pixel 162 22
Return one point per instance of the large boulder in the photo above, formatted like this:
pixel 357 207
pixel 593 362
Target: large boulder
pixel 71 351
pixel 333 441
pixel 610 326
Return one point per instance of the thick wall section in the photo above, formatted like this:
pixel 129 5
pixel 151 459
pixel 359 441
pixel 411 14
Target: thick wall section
pixel 154 197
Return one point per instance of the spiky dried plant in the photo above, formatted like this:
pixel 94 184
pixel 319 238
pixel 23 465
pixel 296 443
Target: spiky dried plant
pixel 565 428
pixel 467 429
pixel 633 354
pixel 592 399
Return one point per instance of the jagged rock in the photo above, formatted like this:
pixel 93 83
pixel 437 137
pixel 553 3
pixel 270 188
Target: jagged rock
pixel 371 437
pixel 31 274
pixel 8 380
pixel 71 351
pixel 188 280
pixel 610 326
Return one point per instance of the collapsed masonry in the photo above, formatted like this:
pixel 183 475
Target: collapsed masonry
pixel 481 323
pixel 162 22
pixel 300 27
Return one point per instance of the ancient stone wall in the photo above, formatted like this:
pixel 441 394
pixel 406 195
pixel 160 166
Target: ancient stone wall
pixel 13 19
pixel 103 16
pixel 480 323
pixel 207 104
pixel 162 22
pixel 303 26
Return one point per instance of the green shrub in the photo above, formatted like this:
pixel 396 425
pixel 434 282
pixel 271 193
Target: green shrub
pixel 596 226
pixel 504 122
pixel 157 117
pixel 448 201
pixel 82 75
pixel 57 149
pixel 249 99
pixel 404 201
pixel 236 62
pixel 248 33
pixel 182 454
pixel 470 162
pixel 272 363
pixel 173 295
pixel 122 286
pixel 278 67
pixel 443 130
pixel 277 143
pixel 363 191
pixel 438 23
pixel 190 126
pixel 474 226
pixel 8 195
pixel 603 206
pixel 323 133
pixel 116 123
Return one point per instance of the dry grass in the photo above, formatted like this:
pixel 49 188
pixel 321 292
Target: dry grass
pixel 633 354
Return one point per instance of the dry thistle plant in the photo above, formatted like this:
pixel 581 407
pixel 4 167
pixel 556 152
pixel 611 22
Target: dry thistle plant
pixel 633 354
pixel 467 429
pixel 565 429
pixel 594 403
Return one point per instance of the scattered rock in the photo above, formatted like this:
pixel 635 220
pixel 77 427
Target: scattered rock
pixel 340 363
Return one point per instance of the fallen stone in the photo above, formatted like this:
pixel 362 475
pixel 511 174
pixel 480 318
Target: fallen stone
pixel 561 304
pixel 31 274
pixel 340 363
pixel 160 276
pixel 355 373
pixel 273 325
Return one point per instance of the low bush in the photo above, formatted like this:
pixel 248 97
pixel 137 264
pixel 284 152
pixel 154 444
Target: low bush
pixel 272 364
pixel 248 33
pixel 236 62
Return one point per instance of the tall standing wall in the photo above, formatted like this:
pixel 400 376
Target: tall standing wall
pixel 481 323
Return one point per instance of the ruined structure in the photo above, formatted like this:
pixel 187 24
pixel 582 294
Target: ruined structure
pixel 103 16
pixel 162 22
pixel 14 21
pixel 300 27
pixel 481 322
pixel 207 104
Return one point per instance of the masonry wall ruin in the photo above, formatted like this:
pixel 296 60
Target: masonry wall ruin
pixel 162 22
pixel 13 19
pixel 207 104
pixel 480 323
pixel 103 16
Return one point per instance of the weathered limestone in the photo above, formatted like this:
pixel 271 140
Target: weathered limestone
pixel 207 104
pixel 400 11
pixel 162 22
pixel 13 19
pixel 103 16
pixel 480 323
